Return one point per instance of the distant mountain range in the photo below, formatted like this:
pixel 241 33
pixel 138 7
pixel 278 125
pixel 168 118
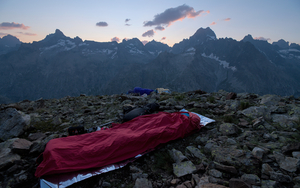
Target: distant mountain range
pixel 59 66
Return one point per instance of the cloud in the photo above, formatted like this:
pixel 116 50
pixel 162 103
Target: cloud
pixel 213 23
pixel 159 28
pixel 262 38
pixel 127 24
pixel 149 33
pixel 117 39
pixel 12 25
pixel 28 34
pixel 145 42
pixel 164 38
pixel 172 15
pixel 127 20
pixel 102 24
pixel 227 19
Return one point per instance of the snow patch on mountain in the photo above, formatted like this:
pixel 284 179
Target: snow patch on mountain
pixel 190 51
pixel 225 64
pixel 211 37
pixel 289 53
pixel 62 45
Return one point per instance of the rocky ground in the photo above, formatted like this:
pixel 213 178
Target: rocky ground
pixel 253 143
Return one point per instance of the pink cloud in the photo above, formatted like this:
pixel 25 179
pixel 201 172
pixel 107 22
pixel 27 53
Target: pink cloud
pixel 213 23
pixel 117 39
pixel 12 25
pixel 227 19
pixel 164 38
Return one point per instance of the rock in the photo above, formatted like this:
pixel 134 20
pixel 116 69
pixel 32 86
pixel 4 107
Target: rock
pixel 7 157
pixel 296 154
pixel 251 179
pixel 258 153
pixel 211 185
pixel 183 168
pixel 188 184
pixel 194 152
pixel 36 136
pixel 177 156
pixel 289 164
pixel 56 121
pixel 21 146
pixel 201 140
pixel 238 183
pixel 295 146
pixel 228 129
pixel 256 112
pixel 106 184
pixel 268 184
pixel 175 181
pixel 280 177
pixel 228 169
pixel 231 95
pixel 12 123
pixel 138 175
pixel 266 169
pixel 284 121
pixel 142 183
pixel 215 173
pixel 231 141
pixel 270 100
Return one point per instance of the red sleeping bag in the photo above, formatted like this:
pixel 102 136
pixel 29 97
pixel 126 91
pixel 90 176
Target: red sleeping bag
pixel 121 142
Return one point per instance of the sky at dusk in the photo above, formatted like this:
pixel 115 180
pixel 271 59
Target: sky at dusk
pixel 167 21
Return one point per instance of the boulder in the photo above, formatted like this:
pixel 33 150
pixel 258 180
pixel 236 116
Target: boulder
pixel 228 129
pixel 289 164
pixel 7 156
pixel 12 123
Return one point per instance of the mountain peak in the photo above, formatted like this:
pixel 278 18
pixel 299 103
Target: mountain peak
pixel 281 43
pixel 204 33
pixel 58 33
pixel 248 38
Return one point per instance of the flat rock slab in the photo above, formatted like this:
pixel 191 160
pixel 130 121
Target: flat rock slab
pixel 183 168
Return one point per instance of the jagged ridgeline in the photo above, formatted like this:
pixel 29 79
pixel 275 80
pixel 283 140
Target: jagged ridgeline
pixel 60 66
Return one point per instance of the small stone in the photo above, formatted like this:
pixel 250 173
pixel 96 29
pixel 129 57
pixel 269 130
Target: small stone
pixel 142 183
pixel 280 177
pixel 21 146
pixel 231 95
pixel 230 169
pixel 175 181
pixel 228 129
pixel 233 182
pixel 215 173
pixel 296 154
pixel 251 179
pixel 266 169
pixel 268 184
pixel 258 152
pixel 177 155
